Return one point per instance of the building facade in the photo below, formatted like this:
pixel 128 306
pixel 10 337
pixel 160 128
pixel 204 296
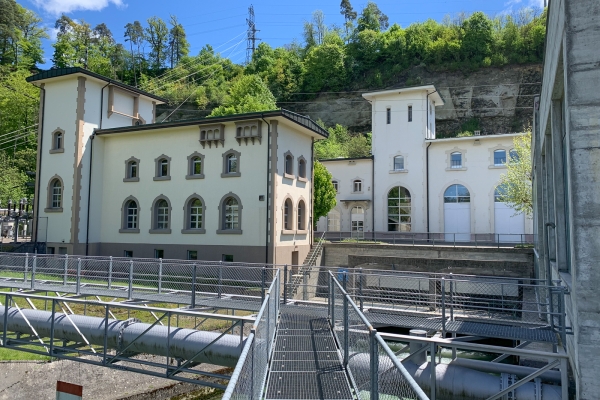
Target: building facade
pixel 419 184
pixel 566 184
pixel 111 181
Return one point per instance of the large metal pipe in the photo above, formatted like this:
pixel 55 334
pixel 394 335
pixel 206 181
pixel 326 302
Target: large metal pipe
pixel 183 343
pixel 499 368
pixel 453 382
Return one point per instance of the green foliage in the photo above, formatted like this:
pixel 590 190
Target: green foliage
pixel 515 185
pixel 324 65
pixel 343 144
pixel 468 128
pixel 324 192
pixel 248 93
pixel 12 180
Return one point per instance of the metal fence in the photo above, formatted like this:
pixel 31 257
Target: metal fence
pixel 249 377
pixel 430 239
pixel 372 366
pixel 149 279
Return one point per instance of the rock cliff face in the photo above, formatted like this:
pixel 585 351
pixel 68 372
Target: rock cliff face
pixel 501 99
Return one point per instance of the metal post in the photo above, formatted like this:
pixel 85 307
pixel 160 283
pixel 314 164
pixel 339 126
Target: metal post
pixel 105 352
pixel 451 297
pixel 562 318
pixel 432 371
pixel 220 288
pixel 26 267
pixel 194 275
pixel 304 285
pixel 360 288
pixel 7 300
pixel 66 271
pixel 443 307
pixel 52 327
pixel 130 288
pixel 263 283
pixel 564 378
pixel 169 341
pixel 454 237
pixel 374 366
pixel 78 281
pixel 33 272
pixel 331 302
pixel 110 272
pixel 285 277
pixel 346 332
pixel 160 273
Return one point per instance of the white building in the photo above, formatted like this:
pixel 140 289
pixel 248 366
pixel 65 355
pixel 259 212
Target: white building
pixel 111 181
pixel 419 184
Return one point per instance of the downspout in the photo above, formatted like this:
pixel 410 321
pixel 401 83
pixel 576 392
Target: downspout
pixel 312 222
pixel 373 192
pixel 37 173
pixel 89 199
pixel 427 183
pixel 267 193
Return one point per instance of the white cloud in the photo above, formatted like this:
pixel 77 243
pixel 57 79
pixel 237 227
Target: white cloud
pixel 57 7
pixel 52 32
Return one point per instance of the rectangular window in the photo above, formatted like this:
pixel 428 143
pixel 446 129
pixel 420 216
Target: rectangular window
pixel 192 255
pixel 128 253
pixel 49 250
pixel 499 157
pixel 62 250
pixel 357 186
pixel 409 113
pixel 159 253
pixel 133 173
pixel 335 186
pixel 456 160
pixel 388 115
pixel 227 257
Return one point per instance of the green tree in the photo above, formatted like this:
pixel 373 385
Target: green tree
pixel 248 93
pixel 178 45
pixel 349 16
pixel 515 185
pixel 477 39
pixel 324 67
pixel 12 180
pixel 342 143
pixel 157 35
pixel 372 18
pixel 324 192
pixel 134 34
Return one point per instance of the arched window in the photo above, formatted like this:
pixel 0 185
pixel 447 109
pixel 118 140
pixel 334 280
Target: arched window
pixel 514 156
pixel 131 217
pixel 58 140
pixel 336 186
pixel 302 168
pixel 196 166
pixel 357 186
pixel 289 164
pixel 398 163
pixel 499 157
pixel 457 194
pixel 288 215
pixel 195 214
pixel 301 215
pixel 399 210
pixel 232 165
pixel 333 221
pixel 499 194
pixel 132 169
pixel 56 194
pixel 164 168
pixel 231 215
pixel 161 210
pixel 456 160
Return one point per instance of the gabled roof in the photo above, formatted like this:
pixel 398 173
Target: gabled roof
pixel 431 90
pixel 58 72
pixel 301 120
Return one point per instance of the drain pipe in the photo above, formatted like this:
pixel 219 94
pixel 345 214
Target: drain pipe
pixel 267 198
pixel 182 343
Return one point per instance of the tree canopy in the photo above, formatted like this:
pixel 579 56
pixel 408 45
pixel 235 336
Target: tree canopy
pixel 516 185
pixel 324 192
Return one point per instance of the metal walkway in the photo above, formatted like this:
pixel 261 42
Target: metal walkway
pixel 306 363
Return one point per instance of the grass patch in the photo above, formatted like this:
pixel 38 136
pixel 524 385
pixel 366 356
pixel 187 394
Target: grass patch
pixel 16 355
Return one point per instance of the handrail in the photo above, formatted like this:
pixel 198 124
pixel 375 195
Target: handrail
pixel 238 368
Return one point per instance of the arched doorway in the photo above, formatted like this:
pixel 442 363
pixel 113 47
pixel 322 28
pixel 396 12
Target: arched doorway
pixel 457 214
pixel 508 227
pixel 357 218
pixel 399 210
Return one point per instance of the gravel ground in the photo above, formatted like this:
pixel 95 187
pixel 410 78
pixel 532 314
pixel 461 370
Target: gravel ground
pixel 37 380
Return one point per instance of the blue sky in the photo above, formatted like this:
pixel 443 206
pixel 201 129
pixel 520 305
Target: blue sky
pixel 222 24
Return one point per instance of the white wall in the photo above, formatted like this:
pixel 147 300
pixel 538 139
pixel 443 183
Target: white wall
pixel 345 172
pixel 479 175
pixel 179 143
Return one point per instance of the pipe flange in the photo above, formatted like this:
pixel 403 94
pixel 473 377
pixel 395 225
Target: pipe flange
pixel 507 380
pixel 122 328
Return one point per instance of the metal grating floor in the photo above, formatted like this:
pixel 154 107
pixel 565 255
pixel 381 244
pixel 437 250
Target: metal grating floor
pixel 306 364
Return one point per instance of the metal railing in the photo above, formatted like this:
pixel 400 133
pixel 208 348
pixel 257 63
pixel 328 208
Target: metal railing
pixel 302 272
pixel 497 240
pixel 249 377
pixel 366 356
pixel 136 278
